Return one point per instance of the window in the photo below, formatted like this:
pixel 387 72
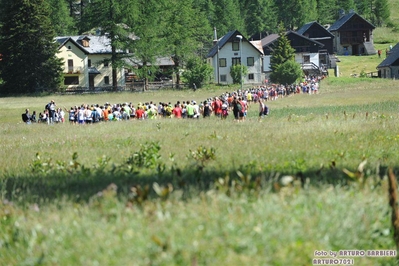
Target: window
pixel 251 76
pixel 85 42
pixel 69 47
pixel 89 63
pixel 70 65
pixel 106 80
pixel 222 62
pixel 71 80
pixel 106 64
pixel 223 78
pixel 236 46
pixel 250 61
pixel 236 61
pixel 306 58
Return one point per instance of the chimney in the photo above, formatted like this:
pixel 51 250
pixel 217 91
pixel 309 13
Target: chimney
pixel 215 36
pixel 341 13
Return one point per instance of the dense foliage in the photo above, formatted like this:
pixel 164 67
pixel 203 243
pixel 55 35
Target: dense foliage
pixel 28 51
pixel 179 29
pixel 237 72
pixel 283 65
pixel 248 16
pixel 197 72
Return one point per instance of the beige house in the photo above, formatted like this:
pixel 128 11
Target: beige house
pixel 87 62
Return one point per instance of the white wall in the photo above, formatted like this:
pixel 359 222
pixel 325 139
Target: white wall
pixel 314 58
pixel 247 51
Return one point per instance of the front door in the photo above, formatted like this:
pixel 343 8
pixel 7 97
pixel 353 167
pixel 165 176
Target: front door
pixel 91 81
pixel 355 49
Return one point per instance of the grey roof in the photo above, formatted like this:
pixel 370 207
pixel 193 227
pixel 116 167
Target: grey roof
pixel 227 38
pixel 97 44
pixel 341 21
pixel 269 39
pixel 159 61
pixel 309 25
pixel 392 57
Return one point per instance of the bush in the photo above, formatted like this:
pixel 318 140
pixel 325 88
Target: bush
pixel 286 73
pixel 197 72
pixel 237 72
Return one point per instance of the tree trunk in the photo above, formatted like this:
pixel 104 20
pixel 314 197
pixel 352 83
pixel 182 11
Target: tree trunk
pixel 114 70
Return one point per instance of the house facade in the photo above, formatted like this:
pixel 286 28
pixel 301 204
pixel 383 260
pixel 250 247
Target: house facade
pixel 306 52
pixel 87 62
pixel 353 35
pixel 232 49
pixel 389 68
pixel 315 31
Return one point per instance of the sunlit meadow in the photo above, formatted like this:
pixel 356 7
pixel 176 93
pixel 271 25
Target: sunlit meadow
pixel 202 192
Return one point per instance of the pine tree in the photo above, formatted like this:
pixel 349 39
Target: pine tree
pixel 381 12
pixel 149 26
pixel 259 16
pixel 282 62
pixel 346 5
pixel 326 11
pixel 113 17
pixel 187 30
pixel 282 51
pixel 63 23
pixel 228 16
pixel 29 61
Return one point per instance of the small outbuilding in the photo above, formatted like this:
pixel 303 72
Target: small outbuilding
pixel 389 68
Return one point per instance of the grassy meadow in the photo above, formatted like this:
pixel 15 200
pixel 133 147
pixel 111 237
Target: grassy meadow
pixel 202 192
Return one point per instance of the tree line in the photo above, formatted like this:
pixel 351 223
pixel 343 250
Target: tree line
pixel 182 29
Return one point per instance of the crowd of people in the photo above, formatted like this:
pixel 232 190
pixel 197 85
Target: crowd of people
pixel 234 103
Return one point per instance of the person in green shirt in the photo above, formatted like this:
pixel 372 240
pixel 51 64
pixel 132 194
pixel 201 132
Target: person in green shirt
pixel 190 110
pixel 126 111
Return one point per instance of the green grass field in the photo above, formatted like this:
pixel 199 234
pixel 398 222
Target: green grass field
pixel 204 192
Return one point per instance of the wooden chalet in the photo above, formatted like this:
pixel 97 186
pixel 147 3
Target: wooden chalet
pixel 306 52
pixel 353 35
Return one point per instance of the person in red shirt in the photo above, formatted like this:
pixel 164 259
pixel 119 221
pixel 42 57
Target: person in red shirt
pixel 217 107
pixel 177 111
pixel 140 113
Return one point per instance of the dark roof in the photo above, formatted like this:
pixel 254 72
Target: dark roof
pixel 309 25
pixel 221 42
pixel 305 28
pixel 93 70
pixel 225 39
pixel 392 57
pixel 273 37
pixel 341 21
pixel 63 40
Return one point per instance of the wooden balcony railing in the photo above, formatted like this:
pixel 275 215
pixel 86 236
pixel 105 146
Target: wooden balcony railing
pixel 73 70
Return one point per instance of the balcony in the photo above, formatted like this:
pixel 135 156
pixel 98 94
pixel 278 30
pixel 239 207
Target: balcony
pixel 73 70
pixel 351 40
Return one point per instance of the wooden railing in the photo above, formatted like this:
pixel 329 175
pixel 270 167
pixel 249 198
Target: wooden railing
pixel 132 87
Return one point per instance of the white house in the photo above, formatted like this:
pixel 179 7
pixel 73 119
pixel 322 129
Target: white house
pixel 232 49
pixel 87 61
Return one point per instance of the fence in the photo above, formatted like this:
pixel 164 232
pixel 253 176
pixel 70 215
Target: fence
pixel 128 87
